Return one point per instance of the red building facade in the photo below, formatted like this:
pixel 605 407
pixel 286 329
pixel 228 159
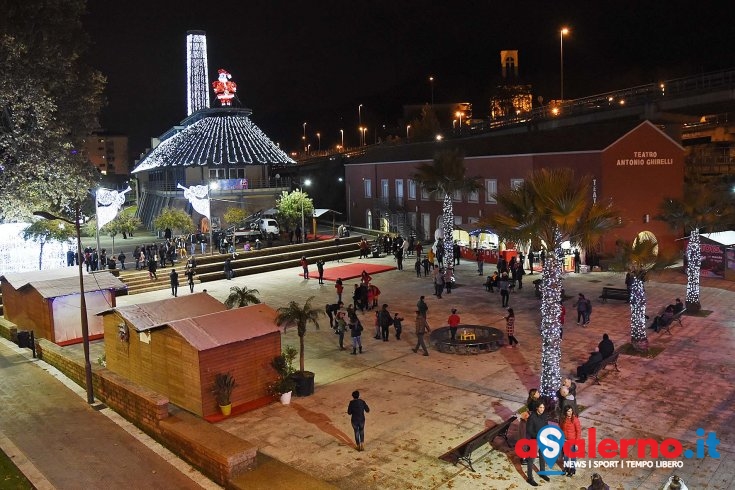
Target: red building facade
pixel 635 165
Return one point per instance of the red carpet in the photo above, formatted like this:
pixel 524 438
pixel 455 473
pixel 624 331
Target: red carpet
pixel 349 271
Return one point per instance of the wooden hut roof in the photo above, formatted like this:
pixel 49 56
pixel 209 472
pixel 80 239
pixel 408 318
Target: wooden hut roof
pixel 145 316
pixel 226 327
pixel 53 283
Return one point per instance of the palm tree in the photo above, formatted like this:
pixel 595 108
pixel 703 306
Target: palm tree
pixel 639 258
pixel 703 205
pixel 551 206
pixel 301 316
pixel 241 296
pixel 446 176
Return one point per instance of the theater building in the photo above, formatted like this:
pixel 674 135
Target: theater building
pixel 634 164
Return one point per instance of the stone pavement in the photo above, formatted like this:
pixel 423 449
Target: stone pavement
pixel 59 441
pixel 423 406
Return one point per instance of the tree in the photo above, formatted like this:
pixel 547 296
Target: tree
pixel 43 230
pixel 638 258
pixel 292 206
pixel 426 126
pixel 241 296
pixel 704 206
pixel 301 316
pixel 49 101
pixel 551 206
pixel 125 222
pixel 446 177
pixel 235 216
pixel 175 219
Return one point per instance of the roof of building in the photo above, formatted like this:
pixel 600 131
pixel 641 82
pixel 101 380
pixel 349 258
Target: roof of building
pixel 145 316
pixel 53 283
pixel 579 138
pixel 723 237
pixel 226 327
pixel 214 137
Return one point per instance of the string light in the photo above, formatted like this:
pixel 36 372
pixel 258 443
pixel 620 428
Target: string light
pixel 694 262
pixel 215 137
pixel 448 228
pixel 551 291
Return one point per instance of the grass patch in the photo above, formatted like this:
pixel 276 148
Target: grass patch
pixel 629 350
pixel 11 477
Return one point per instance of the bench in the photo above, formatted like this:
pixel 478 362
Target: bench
pixel 615 293
pixel 676 318
pixel 613 359
pixel 464 451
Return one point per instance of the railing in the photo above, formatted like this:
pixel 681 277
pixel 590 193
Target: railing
pixel 252 184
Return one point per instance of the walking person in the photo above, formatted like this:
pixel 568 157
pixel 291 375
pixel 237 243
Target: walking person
pixel 174 277
pixel 504 286
pixel 480 261
pixel 339 287
pixel 121 258
pixel 356 334
pixel 422 307
pixel 320 270
pixel 510 328
pixel 438 282
pixel 530 262
pixel 417 266
pixel 453 322
pixel 304 263
pixel 341 327
pixel 577 261
pixel 189 273
pixel 357 409
pixel 422 327
pixel 152 265
pixel 581 308
pixel 229 273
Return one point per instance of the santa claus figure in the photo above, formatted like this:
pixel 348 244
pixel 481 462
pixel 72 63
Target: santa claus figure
pixel 224 87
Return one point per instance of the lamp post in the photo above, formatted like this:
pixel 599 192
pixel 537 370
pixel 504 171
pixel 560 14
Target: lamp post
pixel 363 131
pixel 359 120
pixel 459 115
pixel 431 82
pixel 408 128
pixel 82 299
pixel 319 139
pixel 306 183
pixel 563 32
pixel 304 136
pixel 342 134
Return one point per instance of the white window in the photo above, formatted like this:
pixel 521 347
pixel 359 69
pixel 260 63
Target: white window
pixel 516 183
pixel 237 173
pixel 399 189
pixel 473 196
pixel 384 188
pixel 368 185
pixel 411 189
pixel 424 194
pixel 491 188
pixel 457 196
pixel 217 173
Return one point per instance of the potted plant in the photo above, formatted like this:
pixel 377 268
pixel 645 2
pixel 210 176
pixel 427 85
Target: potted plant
pixel 300 316
pixel 224 383
pixel 284 384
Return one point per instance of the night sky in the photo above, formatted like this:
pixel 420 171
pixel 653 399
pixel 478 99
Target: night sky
pixel 315 62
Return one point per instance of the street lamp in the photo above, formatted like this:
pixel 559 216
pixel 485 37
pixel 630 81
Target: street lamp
pixel 304 137
pixel 306 183
pixel 319 139
pixel 408 128
pixel 363 131
pixel 359 120
pixel 459 115
pixel 82 299
pixel 431 82
pixel 563 32
pixel 342 134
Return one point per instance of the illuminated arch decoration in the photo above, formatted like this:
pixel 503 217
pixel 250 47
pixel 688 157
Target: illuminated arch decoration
pixel 215 137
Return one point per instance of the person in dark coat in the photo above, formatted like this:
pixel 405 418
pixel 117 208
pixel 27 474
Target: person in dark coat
pixel 229 273
pixel 320 270
pixel 586 369
pixel 536 421
pixel 174 277
pixel 357 409
pixel 606 346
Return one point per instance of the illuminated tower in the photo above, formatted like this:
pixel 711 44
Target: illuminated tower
pixel 197 89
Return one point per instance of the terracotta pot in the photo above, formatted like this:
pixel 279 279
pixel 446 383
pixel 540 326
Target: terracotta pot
pixel 226 409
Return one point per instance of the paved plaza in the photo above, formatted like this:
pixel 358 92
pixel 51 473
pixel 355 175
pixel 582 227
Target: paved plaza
pixel 421 407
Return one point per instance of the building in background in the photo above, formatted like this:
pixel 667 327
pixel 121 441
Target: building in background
pixel 108 153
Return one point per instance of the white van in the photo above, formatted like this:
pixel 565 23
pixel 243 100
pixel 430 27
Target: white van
pixel 269 227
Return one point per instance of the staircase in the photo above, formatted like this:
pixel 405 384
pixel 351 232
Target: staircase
pixel 211 267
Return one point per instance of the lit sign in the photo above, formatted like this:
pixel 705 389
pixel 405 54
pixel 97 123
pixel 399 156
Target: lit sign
pixel 640 158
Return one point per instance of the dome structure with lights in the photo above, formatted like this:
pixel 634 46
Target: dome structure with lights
pixel 219 149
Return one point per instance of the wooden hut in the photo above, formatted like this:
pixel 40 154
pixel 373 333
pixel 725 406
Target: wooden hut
pixel 48 302
pixel 177 346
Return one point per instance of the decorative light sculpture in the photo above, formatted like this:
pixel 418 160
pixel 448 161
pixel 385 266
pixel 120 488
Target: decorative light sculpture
pixel 448 228
pixel 108 203
pixel 551 277
pixel 638 311
pixel 197 90
pixel 694 263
